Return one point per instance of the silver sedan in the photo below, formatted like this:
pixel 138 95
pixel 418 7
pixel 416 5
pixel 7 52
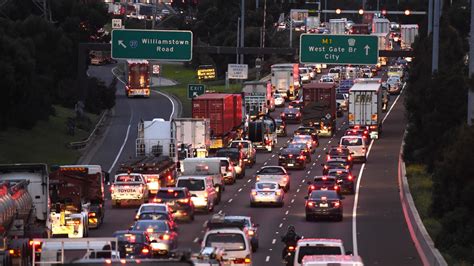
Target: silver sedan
pixel 266 192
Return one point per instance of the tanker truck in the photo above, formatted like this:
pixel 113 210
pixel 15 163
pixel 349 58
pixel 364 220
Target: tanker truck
pixel 24 210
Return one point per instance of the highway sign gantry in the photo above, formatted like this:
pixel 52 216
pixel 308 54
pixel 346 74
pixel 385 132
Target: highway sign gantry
pixel 160 45
pixel 195 90
pixel 339 49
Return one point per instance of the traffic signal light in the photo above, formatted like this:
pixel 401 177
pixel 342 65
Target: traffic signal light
pixel 407 12
pixel 361 11
pixel 338 11
pixel 384 12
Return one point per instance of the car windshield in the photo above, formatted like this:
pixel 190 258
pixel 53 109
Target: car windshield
pixel 170 194
pixel 351 141
pixel 300 146
pixel 293 151
pixel 336 164
pixel 153 216
pixel 191 184
pixel 128 178
pixel 266 186
pixel 302 138
pixel 233 156
pixel 130 237
pixel 291 110
pixel 271 170
pixel 318 194
pixel 338 174
pixel 227 241
pixel 236 144
pixel 147 225
pixel 153 208
pixel 317 250
pixel 338 152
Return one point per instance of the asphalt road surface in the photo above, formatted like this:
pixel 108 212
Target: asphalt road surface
pixel 381 232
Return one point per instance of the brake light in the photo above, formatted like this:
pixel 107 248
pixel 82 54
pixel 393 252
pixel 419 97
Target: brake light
pixel 257 178
pixel 254 193
pixel 158 200
pixel 325 177
pixel 337 204
pixel 347 166
pixel 251 232
pixel 92 214
pixel 349 158
pixel 282 114
pixel 290 155
pixel 170 177
pixel 149 230
pixel 112 188
pixel 145 251
pixel 278 193
pixel 310 204
pixel 165 237
pixel 298 114
pixel 186 201
pixel 326 167
pixel 291 248
pixel 350 177
pixel 170 191
pixel 336 187
pixel 301 157
pixel 324 198
pixel 328 158
pixel 312 187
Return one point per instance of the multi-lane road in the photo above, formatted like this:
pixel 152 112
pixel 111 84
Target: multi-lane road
pixel 375 228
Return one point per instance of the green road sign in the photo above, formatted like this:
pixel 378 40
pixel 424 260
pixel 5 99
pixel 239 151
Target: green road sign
pixel 339 49
pixel 152 44
pixel 195 90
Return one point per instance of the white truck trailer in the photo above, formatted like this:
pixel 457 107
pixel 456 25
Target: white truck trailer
pixel 337 26
pixel 408 34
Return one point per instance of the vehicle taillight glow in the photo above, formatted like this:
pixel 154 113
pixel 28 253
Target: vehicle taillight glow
pixel 251 232
pixel 337 204
pixel 350 177
pixel 282 115
pixel 149 230
pixel 301 157
pixel 310 204
pixel 312 187
pixel 254 193
pixel 291 248
pixel 278 193
pixel 157 200
pixel 336 187
pixel 165 237
pixel 290 155
pixel 112 188
pixel 145 251
pixel 186 201
pixel 92 214
pixel 349 158
pixel 257 178
pixel 326 167
pixel 328 157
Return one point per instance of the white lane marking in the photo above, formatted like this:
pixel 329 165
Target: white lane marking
pixel 196 240
pixel 123 144
pixel 319 156
pixel 248 181
pixel 265 163
pixel 302 181
pixel 281 148
pixel 293 200
pixel 329 142
pixel 240 189
pixel 274 241
pixel 391 107
pixel 267 259
pixel 308 172
pixel 273 155
pixel 204 224
pixel 220 212
pixel 230 201
pixel 324 149
pixel 298 190
pixel 280 225
pixel 169 98
pixel 286 213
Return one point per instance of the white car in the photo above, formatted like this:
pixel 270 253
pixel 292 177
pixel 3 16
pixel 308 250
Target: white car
pixel 279 99
pixel 324 260
pixel 203 193
pixel 335 73
pixel 305 74
pixel 146 207
pixel 318 246
pixel 394 84
pixel 356 145
pixel 276 174
pixel 327 78
pixel 343 100
pixel 235 242
pixel 266 192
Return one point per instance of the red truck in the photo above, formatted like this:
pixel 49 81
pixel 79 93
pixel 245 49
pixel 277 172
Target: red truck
pixel 320 107
pixel 137 78
pixel 225 114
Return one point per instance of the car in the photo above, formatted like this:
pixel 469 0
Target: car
pixel 152 207
pixel 297 104
pixel 310 131
pixel 237 158
pixel 159 215
pixel 318 246
pixel 279 99
pixel 309 140
pixel 335 163
pixel 339 152
pixel 394 84
pixel 203 192
pixel 266 193
pixel 323 260
pixel 362 132
pixel 163 239
pixel 327 79
pixel 324 182
pixel 274 174
pixel 243 223
pixel 395 71
pixel 292 158
pixel 250 153
pixel 343 100
pixel 344 179
pixel 367 73
pixel 179 200
pixel 235 243
pixel 323 203
pixel 290 114
pixel 280 128
pixel 335 73
pixel 133 244
pixel 357 146
pixel 304 148
pixel 305 74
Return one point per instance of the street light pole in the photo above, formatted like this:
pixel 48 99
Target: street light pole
pixel 237 44
pixel 430 16
pixel 242 28
pixel 470 92
pixel 434 62
pixel 264 22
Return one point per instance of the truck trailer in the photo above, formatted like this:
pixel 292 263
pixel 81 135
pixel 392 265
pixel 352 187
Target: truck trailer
pixel 285 79
pixel 320 107
pixel 258 98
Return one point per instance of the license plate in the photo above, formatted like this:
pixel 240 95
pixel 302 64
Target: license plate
pixel 323 205
pixel 291 164
pixel 129 249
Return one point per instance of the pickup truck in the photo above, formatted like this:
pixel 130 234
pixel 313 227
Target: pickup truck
pixel 129 189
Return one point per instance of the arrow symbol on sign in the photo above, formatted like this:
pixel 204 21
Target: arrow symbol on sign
pixel 367 47
pixel 120 42
pixel 195 94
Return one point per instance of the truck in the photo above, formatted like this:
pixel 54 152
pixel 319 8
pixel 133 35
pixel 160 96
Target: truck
pixel 137 78
pixel 225 114
pixel 262 133
pixel 408 34
pixel 383 44
pixel 380 25
pixel 77 199
pixel 312 24
pixel 337 25
pixel 193 137
pixel 129 189
pixel 359 29
pixel 285 79
pixel 365 106
pixel 258 98
pixel 320 107
pixel 24 210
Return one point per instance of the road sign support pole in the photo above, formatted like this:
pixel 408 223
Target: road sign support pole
pixel 470 93
pixel 226 80
pixel 237 45
pixel 434 62
pixel 430 16
pixel 242 28
pixel 291 31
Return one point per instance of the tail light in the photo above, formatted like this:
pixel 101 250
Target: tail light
pixel 349 158
pixel 92 214
pixel 254 193
pixel 206 194
pixel 291 248
pixel 285 178
pixel 290 155
pixel 149 230
pixel 186 201
pixel 310 204
pixel 165 237
pixel 258 178
pixel 328 158
pixel 326 167
pixel 112 188
pixel 312 187
pixel 157 200
pixel 278 193
pixel 298 114
pixel 301 157
pixel 350 177
pixel 336 187
pixel 251 232
pixel 145 251
pixel 170 177
pixel 347 166
pixel 337 204
pixel 282 114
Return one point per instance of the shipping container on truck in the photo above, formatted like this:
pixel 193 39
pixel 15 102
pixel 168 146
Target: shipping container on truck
pixel 137 78
pixel 380 25
pixel 337 25
pixel 286 79
pixel 224 113
pixel 408 34
pixel 24 210
pixel 365 105
pixel 360 29
pixel 258 98
pixel 320 107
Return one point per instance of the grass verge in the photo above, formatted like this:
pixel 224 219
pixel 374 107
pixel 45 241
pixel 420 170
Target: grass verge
pixel 45 143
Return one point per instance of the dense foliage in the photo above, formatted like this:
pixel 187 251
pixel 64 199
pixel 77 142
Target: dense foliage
pixel 38 59
pixel 437 135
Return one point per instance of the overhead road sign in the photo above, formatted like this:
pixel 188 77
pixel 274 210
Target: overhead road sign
pixel 195 90
pixel 237 71
pixel 338 49
pixel 160 45
pixel 339 11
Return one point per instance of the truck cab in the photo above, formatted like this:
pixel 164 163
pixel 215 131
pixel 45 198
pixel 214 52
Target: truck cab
pixel 263 134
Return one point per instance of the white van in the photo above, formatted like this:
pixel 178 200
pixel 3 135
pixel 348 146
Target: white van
pixel 317 246
pixel 357 146
pixel 326 260
pixel 236 245
pixel 203 193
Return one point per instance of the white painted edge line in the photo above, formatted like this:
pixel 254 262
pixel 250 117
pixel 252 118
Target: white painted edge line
pixel 267 259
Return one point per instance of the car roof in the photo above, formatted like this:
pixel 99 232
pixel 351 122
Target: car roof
pixel 194 177
pixel 154 205
pixel 325 241
pixel 173 188
pixel 121 232
pixel 291 150
pixel 336 160
pixel 325 176
pixel 272 166
pixel 226 230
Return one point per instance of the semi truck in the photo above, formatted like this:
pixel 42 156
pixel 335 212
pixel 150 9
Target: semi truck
pixel 77 200
pixel 258 98
pixel 224 112
pixel 262 133
pixel 320 107
pixel 337 26
pixel 383 44
pixel 24 210
pixel 380 25
pixel 137 78
pixel 408 34
pixel 285 79
pixel 193 137
pixel 365 105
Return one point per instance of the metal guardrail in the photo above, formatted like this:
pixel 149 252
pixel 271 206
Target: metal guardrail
pixel 81 144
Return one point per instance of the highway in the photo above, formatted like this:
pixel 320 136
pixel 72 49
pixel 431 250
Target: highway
pixel 381 232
